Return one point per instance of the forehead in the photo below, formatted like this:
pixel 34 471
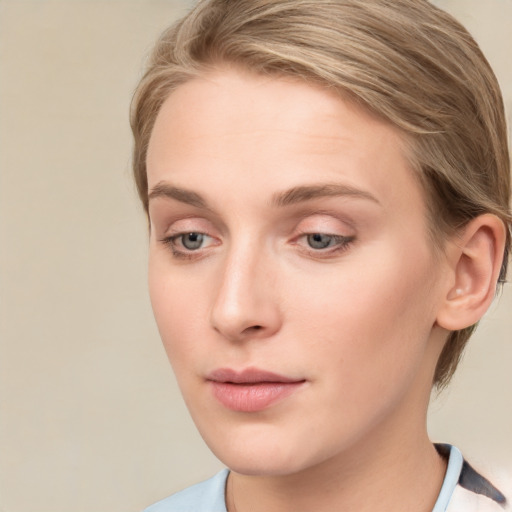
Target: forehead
pixel 235 122
pixel 249 101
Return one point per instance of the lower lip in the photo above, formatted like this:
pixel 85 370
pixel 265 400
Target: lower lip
pixel 252 397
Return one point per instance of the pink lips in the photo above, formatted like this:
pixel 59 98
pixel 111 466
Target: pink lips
pixel 250 390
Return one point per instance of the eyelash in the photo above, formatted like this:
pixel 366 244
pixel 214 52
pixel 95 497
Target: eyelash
pixel 340 244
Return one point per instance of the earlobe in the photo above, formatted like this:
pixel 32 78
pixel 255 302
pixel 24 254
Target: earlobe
pixel 475 257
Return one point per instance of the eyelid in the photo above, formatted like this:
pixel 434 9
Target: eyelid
pixel 325 220
pixel 325 223
pixel 172 219
pixel 326 216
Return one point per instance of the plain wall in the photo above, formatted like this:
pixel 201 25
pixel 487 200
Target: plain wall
pixel 91 419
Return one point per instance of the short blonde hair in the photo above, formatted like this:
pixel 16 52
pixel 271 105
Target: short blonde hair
pixel 406 61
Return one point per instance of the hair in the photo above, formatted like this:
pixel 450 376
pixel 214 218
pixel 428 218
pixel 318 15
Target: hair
pixel 406 61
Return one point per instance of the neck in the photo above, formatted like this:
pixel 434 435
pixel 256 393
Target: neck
pixel 399 471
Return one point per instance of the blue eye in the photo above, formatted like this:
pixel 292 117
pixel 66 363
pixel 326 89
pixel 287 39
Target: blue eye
pixel 191 245
pixel 192 241
pixel 321 241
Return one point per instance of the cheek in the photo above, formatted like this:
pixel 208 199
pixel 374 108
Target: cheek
pixel 176 307
pixel 366 319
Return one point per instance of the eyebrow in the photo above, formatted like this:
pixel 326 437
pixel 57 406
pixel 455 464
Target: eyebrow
pixel 289 197
pixel 179 194
pixel 308 192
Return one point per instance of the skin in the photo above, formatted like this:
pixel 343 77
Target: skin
pixel 357 321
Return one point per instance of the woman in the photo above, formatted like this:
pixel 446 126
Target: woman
pixel 327 185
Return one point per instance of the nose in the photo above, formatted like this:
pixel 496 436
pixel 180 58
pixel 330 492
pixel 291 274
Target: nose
pixel 246 304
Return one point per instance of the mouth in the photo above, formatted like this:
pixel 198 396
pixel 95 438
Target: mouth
pixel 252 389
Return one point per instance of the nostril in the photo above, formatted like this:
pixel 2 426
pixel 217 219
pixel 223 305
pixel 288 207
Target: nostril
pixel 252 330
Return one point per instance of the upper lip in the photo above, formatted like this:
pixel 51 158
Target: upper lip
pixel 248 376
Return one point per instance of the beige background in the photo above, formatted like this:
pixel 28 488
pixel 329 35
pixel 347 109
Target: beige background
pixel 91 419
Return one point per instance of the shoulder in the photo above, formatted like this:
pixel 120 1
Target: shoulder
pixel 207 496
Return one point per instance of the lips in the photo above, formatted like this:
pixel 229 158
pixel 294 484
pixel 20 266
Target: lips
pixel 252 389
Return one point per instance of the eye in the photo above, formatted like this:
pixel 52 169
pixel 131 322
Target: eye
pixel 189 245
pixel 320 240
pixel 324 245
pixel 191 241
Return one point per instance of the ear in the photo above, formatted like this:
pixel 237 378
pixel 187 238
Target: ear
pixel 474 258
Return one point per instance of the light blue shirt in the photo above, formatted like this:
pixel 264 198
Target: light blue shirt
pixel 207 496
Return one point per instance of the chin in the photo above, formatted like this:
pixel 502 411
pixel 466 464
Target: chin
pixel 273 456
pixel 270 465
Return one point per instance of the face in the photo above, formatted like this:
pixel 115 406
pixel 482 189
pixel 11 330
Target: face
pixel 290 271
